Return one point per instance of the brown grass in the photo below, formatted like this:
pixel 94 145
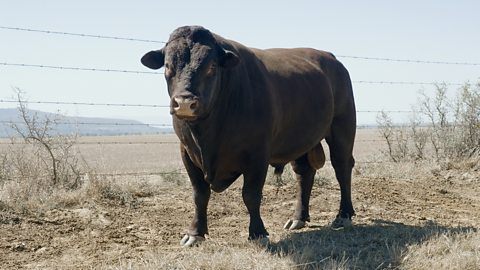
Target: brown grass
pixel 460 250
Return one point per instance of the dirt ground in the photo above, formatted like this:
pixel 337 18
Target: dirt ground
pixel 100 233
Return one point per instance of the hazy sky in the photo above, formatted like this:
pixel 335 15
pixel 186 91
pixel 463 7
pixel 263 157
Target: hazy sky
pixel 418 30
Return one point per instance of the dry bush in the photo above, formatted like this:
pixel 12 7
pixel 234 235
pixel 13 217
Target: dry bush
pixel 38 164
pixel 396 137
pixel 54 151
pixel 26 182
pixel 440 127
pixel 42 169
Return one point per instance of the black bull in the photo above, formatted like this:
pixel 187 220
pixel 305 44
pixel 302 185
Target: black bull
pixel 237 109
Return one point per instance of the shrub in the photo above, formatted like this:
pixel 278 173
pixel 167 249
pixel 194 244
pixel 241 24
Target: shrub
pixel 440 127
pixel 38 163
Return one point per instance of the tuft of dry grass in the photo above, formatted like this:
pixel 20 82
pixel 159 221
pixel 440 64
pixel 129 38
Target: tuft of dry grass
pixel 26 187
pixel 445 251
pixel 125 191
pixel 210 255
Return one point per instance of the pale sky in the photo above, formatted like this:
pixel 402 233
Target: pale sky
pixel 447 31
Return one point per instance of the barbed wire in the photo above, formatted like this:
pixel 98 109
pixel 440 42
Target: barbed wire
pixel 414 61
pixel 386 111
pixel 95 123
pixel 85 103
pixel 152 105
pixel 100 143
pixel 406 82
pixel 160 73
pixel 127 143
pixel 77 68
pixel 14 142
pixel 139 173
pixel 181 171
pixel 79 34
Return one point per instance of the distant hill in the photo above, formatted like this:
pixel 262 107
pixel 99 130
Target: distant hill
pixel 86 126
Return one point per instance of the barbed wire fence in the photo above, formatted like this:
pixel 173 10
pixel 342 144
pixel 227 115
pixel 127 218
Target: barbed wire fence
pixel 157 143
pixel 161 73
pixel 415 61
pixel 78 34
pixel 125 71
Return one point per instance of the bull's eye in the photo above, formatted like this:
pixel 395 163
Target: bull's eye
pixel 212 69
pixel 169 71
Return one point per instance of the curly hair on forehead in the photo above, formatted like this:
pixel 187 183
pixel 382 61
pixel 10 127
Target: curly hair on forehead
pixel 193 34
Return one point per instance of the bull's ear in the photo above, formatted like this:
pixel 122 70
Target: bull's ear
pixel 154 59
pixel 229 59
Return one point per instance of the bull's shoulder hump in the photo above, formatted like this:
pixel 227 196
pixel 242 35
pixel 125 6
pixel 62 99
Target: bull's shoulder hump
pixel 299 57
pixel 301 50
pixel 306 53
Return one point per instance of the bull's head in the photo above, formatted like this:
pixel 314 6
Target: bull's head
pixel 194 62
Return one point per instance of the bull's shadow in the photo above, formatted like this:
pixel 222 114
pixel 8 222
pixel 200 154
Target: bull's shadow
pixel 374 246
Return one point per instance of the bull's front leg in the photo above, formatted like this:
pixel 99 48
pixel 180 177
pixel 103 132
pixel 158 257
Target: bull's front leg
pixel 201 195
pixel 254 179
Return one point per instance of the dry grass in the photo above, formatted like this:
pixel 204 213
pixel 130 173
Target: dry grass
pixel 445 251
pixel 380 245
pixel 26 185
pixel 211 255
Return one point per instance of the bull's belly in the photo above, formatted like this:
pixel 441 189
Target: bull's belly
pixel 285 157
pixel 222 182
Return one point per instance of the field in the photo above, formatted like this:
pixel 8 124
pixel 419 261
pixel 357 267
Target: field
pixel 131 215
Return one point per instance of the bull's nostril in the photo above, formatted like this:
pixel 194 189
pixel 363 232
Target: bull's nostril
pixel 175 103
pixel 193 106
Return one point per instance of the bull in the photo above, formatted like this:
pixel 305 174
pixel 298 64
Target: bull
pixel 237 109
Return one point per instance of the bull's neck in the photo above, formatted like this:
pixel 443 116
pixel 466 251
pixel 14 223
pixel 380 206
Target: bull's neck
pixel 203 139
pixel 207 135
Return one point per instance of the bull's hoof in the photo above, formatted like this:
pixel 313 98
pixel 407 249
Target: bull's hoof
pixel 341 223
pixel 190 240
pixel 294 224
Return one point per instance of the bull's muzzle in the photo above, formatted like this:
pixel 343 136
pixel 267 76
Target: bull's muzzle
pixel 184 107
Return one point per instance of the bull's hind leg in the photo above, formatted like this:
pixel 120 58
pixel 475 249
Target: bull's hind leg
pixel 304 174
pixel 340 142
